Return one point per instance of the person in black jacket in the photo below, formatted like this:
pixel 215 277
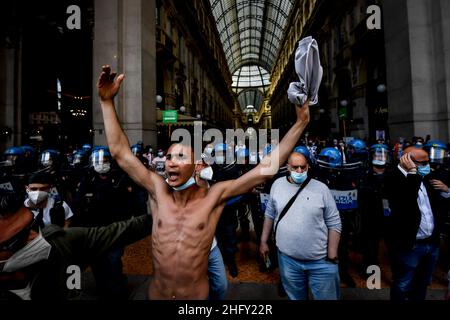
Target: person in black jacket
pixel 417 207
pixel 34 262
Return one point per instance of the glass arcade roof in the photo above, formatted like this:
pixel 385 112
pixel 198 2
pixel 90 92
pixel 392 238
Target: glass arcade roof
pixel 251 32
pixel 250 76
pixel 252 98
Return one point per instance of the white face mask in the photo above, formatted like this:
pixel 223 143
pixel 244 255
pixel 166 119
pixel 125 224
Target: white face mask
pixel 37 197
pixel 160 154
pixel 24 294
pixel 378 162
pixel 206 174
pixel 35 251
pixel 102 168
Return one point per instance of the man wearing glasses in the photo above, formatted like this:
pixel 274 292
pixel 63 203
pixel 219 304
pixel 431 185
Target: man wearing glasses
pixel 34 261
pixel 418 205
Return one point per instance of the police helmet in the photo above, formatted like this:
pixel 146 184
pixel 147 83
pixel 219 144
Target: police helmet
pixel 436 150
pixel 267 150
pixel 137 149
pixel 100 155
pixel 220 152
pixel 331 157
pixel 14 155
pixel 241 155
pixel 303 150
pixel 220 147
pixel 357 145
pixel 357 150
pixel 29 150
pixel 49 158
pixel 380 154
pixel 86 147
pixel 80 158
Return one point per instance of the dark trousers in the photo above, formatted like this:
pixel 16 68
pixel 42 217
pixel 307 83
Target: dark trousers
pixel 109 277
pixel 412 271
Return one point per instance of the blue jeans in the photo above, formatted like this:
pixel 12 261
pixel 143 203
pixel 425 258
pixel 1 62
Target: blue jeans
pixel 412 271
pixel 218 283
pixel 319 276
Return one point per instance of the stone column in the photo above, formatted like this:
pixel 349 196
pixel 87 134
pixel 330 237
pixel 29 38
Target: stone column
pixel 417 58
pixel 10 95
pixel 445 89
pixel 125 39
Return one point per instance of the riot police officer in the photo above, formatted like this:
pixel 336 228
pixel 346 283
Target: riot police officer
pixel 357 151
pixel 342 181
pixel 138 151
pixel 158 163
pixel 374 205
pixel 101 200
pixel 13 174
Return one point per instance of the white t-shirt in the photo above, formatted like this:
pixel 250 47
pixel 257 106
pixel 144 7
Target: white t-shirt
pixel 46 214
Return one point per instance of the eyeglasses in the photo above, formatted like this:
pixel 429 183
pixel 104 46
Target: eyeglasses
pixel 295 168
pixel 19 240
pixel 421 163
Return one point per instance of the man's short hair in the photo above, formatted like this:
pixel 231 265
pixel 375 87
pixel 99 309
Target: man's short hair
pixel 41 177
pixel 10 203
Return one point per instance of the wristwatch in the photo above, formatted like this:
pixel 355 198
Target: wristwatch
pixel 334 260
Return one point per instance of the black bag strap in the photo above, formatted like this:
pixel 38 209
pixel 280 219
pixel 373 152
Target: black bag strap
pixel 40 218
pixel 289 204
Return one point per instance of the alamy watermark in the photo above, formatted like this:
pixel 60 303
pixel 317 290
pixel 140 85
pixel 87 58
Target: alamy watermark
pixel 373 21
pixel 74 277
pixel 374 280
pixel 74 20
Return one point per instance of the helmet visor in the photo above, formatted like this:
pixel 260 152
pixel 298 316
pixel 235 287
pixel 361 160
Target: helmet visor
pixel 380 155
pixel 99 157
pixel 46 159
pixel 437 154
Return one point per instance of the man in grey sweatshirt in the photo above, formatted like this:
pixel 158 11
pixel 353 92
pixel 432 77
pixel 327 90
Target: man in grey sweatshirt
pixel 307 236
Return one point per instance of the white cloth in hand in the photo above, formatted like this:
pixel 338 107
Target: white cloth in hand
pixel 309 71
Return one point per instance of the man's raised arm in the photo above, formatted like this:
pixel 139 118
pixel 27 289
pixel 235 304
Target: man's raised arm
pixel 108 86
pixel 272 162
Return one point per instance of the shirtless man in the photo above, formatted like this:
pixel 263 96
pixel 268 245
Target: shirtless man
pixel 184 215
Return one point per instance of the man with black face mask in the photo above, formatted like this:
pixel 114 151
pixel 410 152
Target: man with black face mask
pixel 34 261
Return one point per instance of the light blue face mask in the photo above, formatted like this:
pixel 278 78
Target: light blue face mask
pixel 186 185
pixel 299 177
pixel 423 170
